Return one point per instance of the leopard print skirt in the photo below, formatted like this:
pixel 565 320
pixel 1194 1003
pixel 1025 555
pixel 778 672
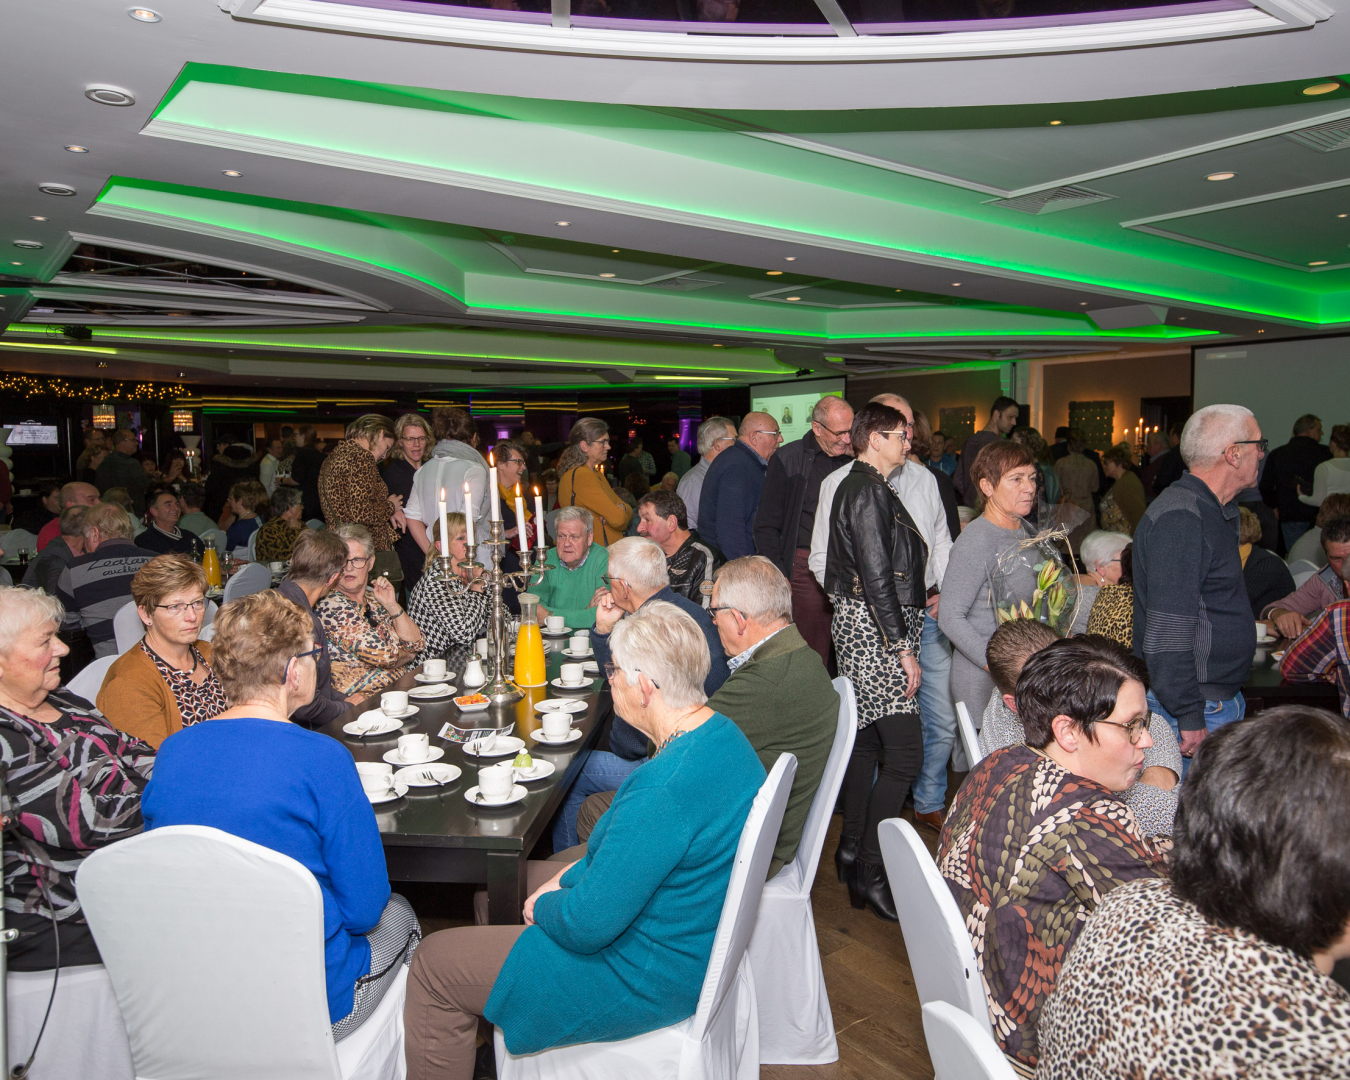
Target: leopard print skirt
pixel 878 679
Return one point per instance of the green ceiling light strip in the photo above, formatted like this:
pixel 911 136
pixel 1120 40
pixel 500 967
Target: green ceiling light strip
pixel 59 348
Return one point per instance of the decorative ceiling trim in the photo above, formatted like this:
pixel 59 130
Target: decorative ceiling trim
pixel 243 314
pixel 510 252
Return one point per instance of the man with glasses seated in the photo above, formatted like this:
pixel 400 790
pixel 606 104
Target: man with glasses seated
pixel 731 490
pixel 575 570
pixel 1038 833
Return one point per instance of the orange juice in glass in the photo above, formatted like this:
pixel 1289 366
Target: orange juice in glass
pixel 530 666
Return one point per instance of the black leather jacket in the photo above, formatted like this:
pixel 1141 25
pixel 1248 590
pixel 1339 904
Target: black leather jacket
pixel 876 554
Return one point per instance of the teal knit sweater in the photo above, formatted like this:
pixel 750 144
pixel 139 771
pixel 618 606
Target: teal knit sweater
pixel 622 948
pixel 568 592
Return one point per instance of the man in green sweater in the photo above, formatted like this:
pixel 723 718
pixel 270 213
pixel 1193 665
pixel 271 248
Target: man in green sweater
pixel 575 569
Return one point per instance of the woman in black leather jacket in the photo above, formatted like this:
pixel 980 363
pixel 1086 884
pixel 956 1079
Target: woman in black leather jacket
pixel 874 574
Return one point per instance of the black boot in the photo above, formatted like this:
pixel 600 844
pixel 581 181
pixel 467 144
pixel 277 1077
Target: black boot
pixel 485 1062
pixel 844 857
pixel 869 885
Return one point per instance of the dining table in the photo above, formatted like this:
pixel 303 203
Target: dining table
pixel 1266 688
pixel 436 833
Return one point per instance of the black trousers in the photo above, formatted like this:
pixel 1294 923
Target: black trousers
pixel 892 750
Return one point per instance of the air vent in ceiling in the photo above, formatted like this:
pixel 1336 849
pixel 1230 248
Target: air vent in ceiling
pixel 1323 138
pixel 683 284
pixel 1053 200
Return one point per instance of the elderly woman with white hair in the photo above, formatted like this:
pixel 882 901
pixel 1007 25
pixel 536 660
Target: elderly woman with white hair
pixel 1100 555
pixel 72 784
pixel 617 943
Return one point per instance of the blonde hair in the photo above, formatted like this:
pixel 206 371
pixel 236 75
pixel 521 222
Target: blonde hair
pixel 256 637
pixel 109 519
pixel 402 424
pixel 457 528
pixel 663 642
pixel 369 426
pixel 163 576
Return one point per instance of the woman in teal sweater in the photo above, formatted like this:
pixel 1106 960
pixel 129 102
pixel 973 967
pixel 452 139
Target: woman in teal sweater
pixel 616 944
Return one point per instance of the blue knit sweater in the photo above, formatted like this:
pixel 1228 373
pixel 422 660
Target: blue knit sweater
pixel 622 948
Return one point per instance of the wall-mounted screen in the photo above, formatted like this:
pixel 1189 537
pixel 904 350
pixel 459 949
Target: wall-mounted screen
pixel 32 433
pixel 790 403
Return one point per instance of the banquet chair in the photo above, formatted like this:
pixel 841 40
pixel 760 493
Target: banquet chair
pixel 960 1048
pixel 215 949
pixel 941 955
pixel 127 627
pixel 796 1026
pixel 89 681
pixel 970 740
pixel 255 577
pixel 85 1038
pixel 721 1040
pixel 253 546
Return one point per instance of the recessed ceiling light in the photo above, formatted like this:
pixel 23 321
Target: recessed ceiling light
pixel 1321 88
pixel 607 275
pixel 1056 123
pixel 717 345
pixel 110 95
pixel 37 217
pixel 773 273
pixel 1221 176
pixel 78 149
pixel 1260 331
pixel 789 258
pixel 141 14
pixel 16 264
pixel 614 251
pixel 28 245
pixel 1082 303
pixel 1319 262
pixel 230 172
pixel 1343 215
pixel 956 284
pixel 564 224
pixel 56 189
pixel 794 297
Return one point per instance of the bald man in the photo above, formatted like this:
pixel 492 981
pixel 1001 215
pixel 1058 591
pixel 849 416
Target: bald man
pixel 732 487
pixel 76 494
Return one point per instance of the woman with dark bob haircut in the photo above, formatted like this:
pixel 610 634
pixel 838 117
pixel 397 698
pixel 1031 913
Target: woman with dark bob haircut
pixel 1225 971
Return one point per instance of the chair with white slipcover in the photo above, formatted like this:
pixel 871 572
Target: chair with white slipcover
pixel 84 1037
pixel 960 1048
pixel 970 741
pixel 215 949
pixel 127 627
pixel 89 681
pixel 796 1026
pixel 721 1039
pixel 255 577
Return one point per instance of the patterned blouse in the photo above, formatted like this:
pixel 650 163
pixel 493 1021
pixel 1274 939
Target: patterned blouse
pixel 196 701
pixel 275 541
pixel 71 786
pixel 446 613
pixel 351 489
pixel 1029 850
pixel 364 646
pixel 1153 989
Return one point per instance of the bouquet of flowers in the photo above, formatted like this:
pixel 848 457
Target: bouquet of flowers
pixel 1034 579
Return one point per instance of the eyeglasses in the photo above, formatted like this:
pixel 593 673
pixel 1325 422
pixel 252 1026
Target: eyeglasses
pixel 609 581
pixel 831 431
pixel 611 667
pixel 1133 729
pixel 1260 444
pixel 712 611
pixel 314 652
pixel 725 438
pixel 177 610
pixel 359 564
pixel 777 435
pixel 518 462
pixel 905 431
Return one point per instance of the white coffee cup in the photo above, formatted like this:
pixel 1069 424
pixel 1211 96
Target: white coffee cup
pixel 557 725
pixel 473 673
pixel 481 647
pixel 554 622
pixel 394 702
pixel 414 747
pixel 376 776
pixel 572 674
pixel 584 633
pixel 276 567
pixel 579 644
pixel 495 781
pixel 1261 630
pixel 434 669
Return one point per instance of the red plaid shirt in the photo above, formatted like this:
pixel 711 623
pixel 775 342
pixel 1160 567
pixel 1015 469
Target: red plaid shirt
pixel 1323 652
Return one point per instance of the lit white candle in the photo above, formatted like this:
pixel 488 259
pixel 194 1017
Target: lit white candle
pixel 522 530
pixel 445 525
pixel 492 489
pixel 468 516
pixel 539 518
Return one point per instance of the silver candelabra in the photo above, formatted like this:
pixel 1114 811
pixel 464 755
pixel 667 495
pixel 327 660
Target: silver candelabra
pixel 499 689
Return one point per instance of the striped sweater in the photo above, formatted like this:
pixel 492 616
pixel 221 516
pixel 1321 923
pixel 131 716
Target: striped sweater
pixel 93 587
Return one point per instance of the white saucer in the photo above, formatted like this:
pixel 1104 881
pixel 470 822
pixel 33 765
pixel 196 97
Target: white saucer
pixel 395 757
pixel 368 729
pixel 1269 639
pixel 591 667
pixel 434 690
pixel 517 793
pixel 560 704
pixel 569 652
pixel 506 744
pixel 539 737
pixel 540 771
pixel 388 796
pixel 439 679
pixel 413 775
pixel 411 710
pixel 583 687
pixel 566 631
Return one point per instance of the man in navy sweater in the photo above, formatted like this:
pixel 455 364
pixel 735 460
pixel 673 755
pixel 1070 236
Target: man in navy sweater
pixel 731 490
pixel 1193 621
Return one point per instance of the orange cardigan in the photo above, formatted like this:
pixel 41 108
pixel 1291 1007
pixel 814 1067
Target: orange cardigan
pixel 136 699
pixel 586 487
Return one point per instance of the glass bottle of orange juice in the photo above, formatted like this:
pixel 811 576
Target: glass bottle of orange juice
pixel 530 666
pixel 211 564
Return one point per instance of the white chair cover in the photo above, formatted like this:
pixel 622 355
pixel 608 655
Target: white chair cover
pixel 796 1026
pixel 209 616
pixel 1300 566
pixel 85 1037
pixel 253 545
pixel 1301 577
pixel 960 1048
pixel 214 946
pixel 970 741
pixel 89 681
pixel 127 626
pixel 940 953
pixel 255 577
pixel 721 1040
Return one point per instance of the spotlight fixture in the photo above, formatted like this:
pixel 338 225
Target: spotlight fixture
pixel 78 149
pixel 613 251
pixel 1221 176
pixel 230 172
pixel 789 258
pixel 141 14
pixel 718 345
pixel 36 217
pixel 110 95
pixel 1082 303
pixel 1260 331
pixel 12 263
pixel 564 224
pixel 773 273
pixel 1317 89
pixel 794 298
pixel 56 189
pixel 608 275
pixel 956 284
pixel 1181 318
pixel 1319 262
pixel 28 245
pixel 1056 123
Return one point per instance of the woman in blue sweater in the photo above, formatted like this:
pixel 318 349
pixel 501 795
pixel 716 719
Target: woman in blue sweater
pixel 616 944
pixel 253 773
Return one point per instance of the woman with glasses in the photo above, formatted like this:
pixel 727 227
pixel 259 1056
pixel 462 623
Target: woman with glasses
pixel 1100 554
pixel 582 481
pixel 253 773
pixel 413 442
pixel 165 682
pixel 372 641
pixel 874 574
pixel 451 611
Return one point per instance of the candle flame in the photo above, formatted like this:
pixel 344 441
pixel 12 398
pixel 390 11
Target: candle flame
pixel 490 461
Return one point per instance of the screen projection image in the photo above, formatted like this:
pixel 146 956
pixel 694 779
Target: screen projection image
pixel 790 403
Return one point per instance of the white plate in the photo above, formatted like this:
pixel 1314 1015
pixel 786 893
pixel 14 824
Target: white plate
pixel 370 728
pixel 506 744
pixel 540 737
pixel 1269 639
pixel 560 704
pixel 438 679
pixel 435 690
pixel 413 775
pixel 578 655
pixel 583 687
pixel 517 793
pixel 564 632
pixel 395 757
pixel 388 796
pixel 411 710
pixel 541 770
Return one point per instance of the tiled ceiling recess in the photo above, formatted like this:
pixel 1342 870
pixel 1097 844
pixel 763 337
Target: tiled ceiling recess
pixel 1323 138
pixel 844 295
pixel 1053 200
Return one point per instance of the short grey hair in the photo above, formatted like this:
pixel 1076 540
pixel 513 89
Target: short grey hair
pixel 821 412
pixel 575 513
pixel 109 519
pixel 285 498
pixel 664 643
pixel 352 531
pixel 1100 546
pixel 21 609
pixel 712 429
pixel 72 521
pixel 756 588
pixel 640 562
pixel 1211 431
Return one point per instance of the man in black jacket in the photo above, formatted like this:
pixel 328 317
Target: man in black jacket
pixel 691 562
pixel 316 564
pixel 787 512
pixel 1287 468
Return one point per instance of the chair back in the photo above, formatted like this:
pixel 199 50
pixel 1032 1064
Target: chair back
pixel 214 946
pixel 1302 576
pixel 89 681
pixel 970 741
pixel 960 1048
pixel 941 955
pixel 255 577
pixel 759 836
pixel 209 615
pixel 127 626
pixel 253 546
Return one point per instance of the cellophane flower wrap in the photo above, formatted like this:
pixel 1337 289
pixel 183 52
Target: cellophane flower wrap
pixel 1035 579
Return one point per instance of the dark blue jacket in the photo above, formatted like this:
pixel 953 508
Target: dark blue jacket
pixel 730 497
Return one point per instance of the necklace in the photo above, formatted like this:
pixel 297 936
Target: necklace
pixel 679 730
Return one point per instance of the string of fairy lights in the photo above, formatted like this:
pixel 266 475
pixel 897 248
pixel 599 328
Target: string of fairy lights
pixel 26 386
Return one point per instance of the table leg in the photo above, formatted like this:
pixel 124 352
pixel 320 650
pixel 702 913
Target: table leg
pixel 506 887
